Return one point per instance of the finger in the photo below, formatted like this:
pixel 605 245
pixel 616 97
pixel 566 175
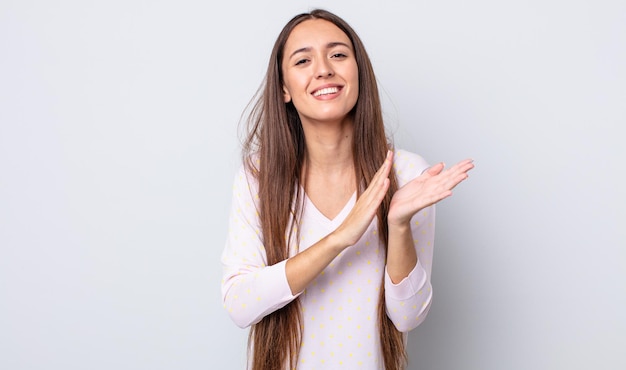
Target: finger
pixel 458 172
pixel 435 169
pixel 454 179
pixel 385 168
pixel 383 171
pixel 463 166
pixel 366 207
pixel 379 185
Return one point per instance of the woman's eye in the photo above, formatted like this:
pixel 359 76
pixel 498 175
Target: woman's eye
pixel 301 61
pixel 339 55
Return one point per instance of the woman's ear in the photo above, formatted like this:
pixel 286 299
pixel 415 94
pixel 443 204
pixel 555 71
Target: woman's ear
pixel 286 95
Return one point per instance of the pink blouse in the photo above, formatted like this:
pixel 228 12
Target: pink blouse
pixel 340 306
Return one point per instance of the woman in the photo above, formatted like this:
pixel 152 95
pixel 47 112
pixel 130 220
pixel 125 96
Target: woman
pixel 329 252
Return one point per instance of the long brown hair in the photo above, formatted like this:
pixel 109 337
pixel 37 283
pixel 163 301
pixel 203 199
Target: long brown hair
pixel 274 151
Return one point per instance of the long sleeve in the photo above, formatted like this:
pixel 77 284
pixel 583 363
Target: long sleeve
pixel 250 288
pixel 408 302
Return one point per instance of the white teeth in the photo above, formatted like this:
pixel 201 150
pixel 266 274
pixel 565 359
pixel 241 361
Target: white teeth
pixel 326 90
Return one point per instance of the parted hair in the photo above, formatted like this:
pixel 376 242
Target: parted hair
pixel 274 151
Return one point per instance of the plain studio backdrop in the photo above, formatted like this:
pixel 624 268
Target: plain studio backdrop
pixel 119 142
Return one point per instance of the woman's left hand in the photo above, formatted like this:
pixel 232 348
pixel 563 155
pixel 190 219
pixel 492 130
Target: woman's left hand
pixel 430 187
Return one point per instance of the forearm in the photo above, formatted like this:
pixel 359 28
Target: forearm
pixel 401 254
pixel 408 292
pixel 304 267
pixel 249 292
pixel 409 301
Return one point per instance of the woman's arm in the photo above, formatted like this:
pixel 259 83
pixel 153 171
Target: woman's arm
pixel 307 265
pixel 250 288
pixel 411 222
pixel 408 299
pixel 432 186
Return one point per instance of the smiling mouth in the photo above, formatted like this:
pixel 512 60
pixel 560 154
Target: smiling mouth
pixel 326 91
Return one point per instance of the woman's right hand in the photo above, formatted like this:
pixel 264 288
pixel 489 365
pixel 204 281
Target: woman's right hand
pixel 366 207
pixel 305 266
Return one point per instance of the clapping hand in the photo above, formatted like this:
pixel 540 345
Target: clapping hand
pixel 433 185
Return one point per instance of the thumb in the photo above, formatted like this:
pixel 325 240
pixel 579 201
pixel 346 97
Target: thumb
pixel 435 169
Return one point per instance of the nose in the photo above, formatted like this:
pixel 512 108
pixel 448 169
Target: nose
pixel 324 69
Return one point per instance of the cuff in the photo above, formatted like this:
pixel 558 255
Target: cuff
pixel 278 286
pixel 409 286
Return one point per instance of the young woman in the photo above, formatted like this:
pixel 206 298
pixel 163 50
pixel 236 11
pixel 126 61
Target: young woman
pixel 330 243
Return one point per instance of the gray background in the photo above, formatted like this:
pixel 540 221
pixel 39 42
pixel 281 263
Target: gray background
pixel 118 144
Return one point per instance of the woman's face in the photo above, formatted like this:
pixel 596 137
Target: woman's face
pixel 320 73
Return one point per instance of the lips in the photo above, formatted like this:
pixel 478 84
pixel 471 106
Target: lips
pixel 326 91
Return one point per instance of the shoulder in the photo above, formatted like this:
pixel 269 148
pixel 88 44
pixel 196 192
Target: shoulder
pixel 245 177
pixel 408 165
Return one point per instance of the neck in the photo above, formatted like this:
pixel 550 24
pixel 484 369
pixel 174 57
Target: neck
pixel 329 146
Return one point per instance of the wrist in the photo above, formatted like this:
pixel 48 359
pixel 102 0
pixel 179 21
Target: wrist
pixel 335 242
pixel 399 227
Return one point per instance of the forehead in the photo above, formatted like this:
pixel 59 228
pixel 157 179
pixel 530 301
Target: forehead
pixel 315 33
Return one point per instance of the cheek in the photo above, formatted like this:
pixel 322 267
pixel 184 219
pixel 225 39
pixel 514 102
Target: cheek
pixel 355 82
pixel 355 76
pixel 292 83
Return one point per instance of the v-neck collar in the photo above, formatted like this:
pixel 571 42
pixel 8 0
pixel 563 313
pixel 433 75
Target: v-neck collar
pixel 320 217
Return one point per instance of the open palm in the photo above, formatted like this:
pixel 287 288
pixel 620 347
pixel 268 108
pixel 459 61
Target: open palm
pixel 430 187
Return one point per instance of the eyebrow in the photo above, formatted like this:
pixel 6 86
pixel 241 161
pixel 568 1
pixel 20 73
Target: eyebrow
pixel 330 45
